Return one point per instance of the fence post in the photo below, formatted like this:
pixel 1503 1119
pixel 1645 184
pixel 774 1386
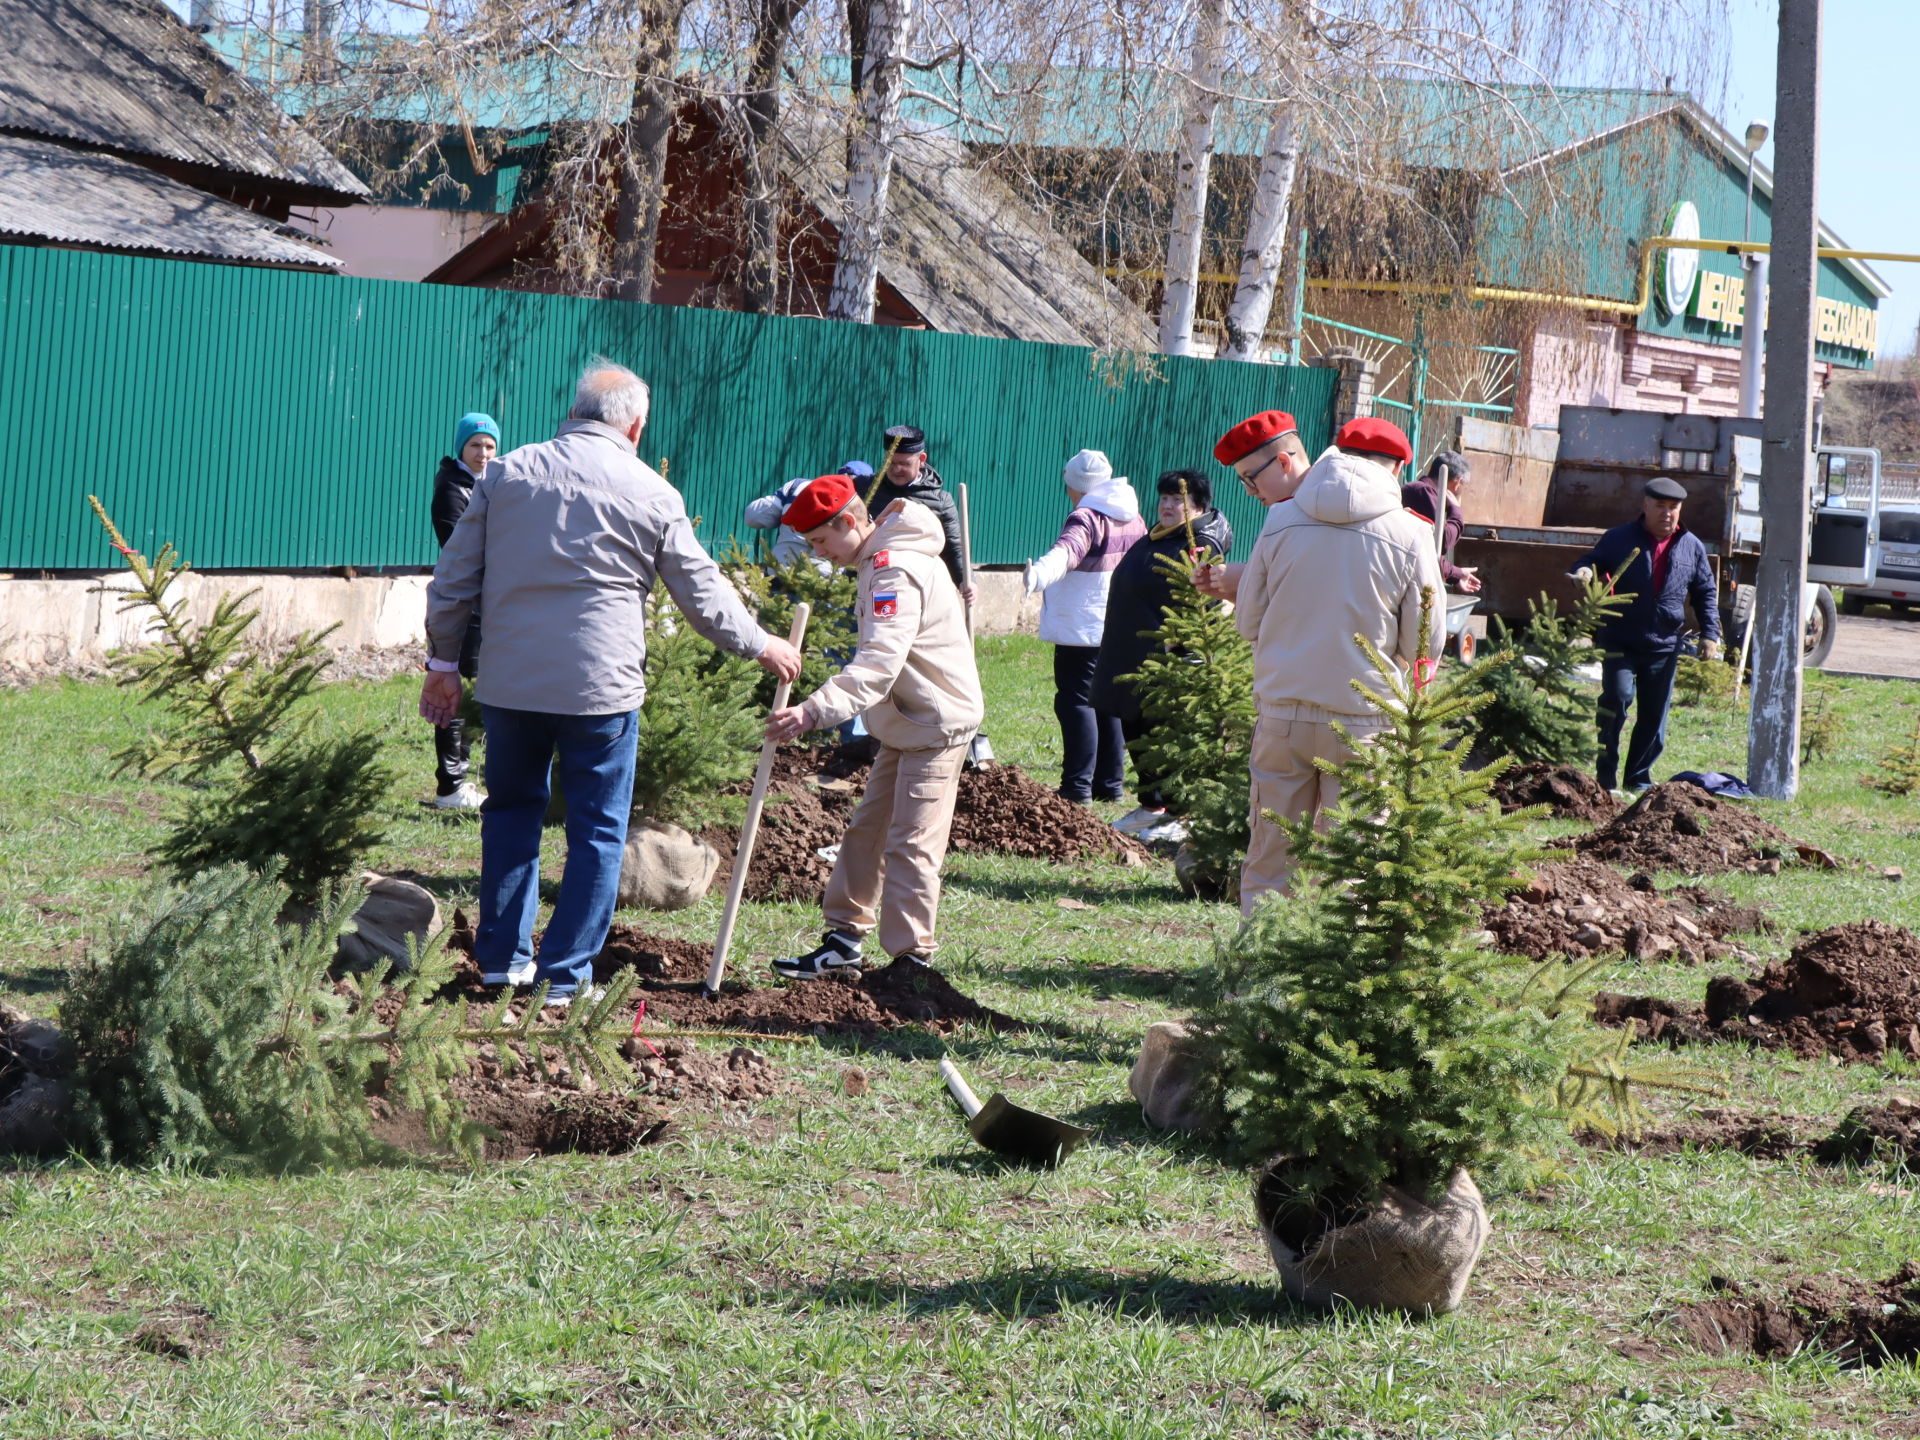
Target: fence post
pixel 1353 399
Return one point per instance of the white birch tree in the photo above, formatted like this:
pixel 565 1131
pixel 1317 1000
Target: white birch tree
pixel 1192 166
pixel 1263 253
pixel 870 154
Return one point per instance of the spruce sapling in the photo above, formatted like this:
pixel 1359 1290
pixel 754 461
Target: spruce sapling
pixel 1538 708
pixel 277 796
pixel 1898 771
pixel 698 727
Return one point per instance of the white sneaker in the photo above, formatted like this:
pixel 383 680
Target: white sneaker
pixel 468 796
pixel 561 1002
pixel 1168 832
pixel 1144 818
pixel 519 976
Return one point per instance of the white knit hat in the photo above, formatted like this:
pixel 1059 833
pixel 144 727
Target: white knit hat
pixel 1088 470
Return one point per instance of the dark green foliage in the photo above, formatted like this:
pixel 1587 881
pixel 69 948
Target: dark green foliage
pixel 1196 692
pixel 1820 723
pixel 1703 682
pixel 278 798
pixel 699 727
pixel 1536 706
pixel 212 1035
pixel 833 630
pixel 1358 1026
pixel 1898 771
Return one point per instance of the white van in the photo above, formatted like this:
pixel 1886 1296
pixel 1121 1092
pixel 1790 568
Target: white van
pixel 1896 581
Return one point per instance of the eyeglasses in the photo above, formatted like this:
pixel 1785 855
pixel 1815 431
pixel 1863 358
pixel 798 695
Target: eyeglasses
pixel 1248 480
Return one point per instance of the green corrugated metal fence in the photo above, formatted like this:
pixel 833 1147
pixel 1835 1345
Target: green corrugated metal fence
pixel 267 420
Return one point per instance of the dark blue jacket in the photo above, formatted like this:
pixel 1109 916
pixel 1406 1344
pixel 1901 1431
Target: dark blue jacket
pixel 1651 624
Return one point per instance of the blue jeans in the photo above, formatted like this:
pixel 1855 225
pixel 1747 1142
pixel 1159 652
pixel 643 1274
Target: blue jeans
pixel 1623 678
pixel 596 775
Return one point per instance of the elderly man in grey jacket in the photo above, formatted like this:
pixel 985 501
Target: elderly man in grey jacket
pixel 560 546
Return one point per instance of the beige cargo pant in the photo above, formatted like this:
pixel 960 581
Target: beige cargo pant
pixel 1287 739
pixel 890 856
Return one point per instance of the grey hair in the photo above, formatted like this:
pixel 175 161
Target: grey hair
pixel 611 394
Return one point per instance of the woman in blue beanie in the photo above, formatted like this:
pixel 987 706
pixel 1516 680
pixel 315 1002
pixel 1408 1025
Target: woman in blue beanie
pixel 476 439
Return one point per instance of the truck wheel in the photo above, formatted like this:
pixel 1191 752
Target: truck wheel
pixel 1852 603
pixel 1822 626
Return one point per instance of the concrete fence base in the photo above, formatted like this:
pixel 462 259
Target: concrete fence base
pixel 74 622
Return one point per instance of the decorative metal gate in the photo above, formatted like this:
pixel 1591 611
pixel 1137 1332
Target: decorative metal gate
pixel 1425 383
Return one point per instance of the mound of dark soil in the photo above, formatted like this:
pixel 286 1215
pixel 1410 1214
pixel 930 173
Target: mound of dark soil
pixel 813 791
pixel 1764 1137
pixel 677 1070
pixel 1677 826
pixel 526 1116
pixel 1859 1324
pixel 1002 810
pixel 1579 907
pixel 1852 992
pixel 1563 789
pixel 1875 1132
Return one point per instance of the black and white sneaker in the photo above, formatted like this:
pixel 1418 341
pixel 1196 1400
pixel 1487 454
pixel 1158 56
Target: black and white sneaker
pixel 837 954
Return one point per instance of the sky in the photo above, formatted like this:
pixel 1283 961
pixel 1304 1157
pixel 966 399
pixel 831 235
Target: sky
pixel 1869 161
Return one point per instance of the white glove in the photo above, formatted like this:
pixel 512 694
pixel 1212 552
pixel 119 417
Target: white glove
pixel 1027 578
pixel 1584 574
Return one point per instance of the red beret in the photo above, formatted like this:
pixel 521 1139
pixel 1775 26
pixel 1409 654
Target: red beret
pixel 1376 437
pixel 1249 435
pixel 823 499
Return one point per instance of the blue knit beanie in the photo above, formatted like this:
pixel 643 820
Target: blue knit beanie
pixel 471 425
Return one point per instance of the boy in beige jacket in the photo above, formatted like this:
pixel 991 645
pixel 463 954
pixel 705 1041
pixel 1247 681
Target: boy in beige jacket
pixel 1343 559
pixel 913 678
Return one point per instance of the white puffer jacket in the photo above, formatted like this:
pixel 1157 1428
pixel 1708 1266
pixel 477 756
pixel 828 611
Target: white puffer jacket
pixel 1076 573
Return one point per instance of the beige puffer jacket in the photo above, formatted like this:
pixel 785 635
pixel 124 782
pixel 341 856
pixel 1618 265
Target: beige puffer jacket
pixel 913 677
pixel 1342 558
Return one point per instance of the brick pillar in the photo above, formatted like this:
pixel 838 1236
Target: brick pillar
pixel 1353 399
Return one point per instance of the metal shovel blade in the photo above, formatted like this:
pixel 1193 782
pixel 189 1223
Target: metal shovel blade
pixel 1025 1135
pixel 979 752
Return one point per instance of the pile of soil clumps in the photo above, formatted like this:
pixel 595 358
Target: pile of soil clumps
pixel 1579 907
pixel 1875 1132
pixel 1002 810
pixel 1852 992
pixel 677 1070
pixel 813 791
pixel 1859 1324
pixel 1678 826
pixel 1566 791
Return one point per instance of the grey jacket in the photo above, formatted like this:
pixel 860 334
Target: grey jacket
pixel 560 545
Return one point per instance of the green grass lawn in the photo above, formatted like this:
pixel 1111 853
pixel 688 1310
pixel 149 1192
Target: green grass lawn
pixel 822 1265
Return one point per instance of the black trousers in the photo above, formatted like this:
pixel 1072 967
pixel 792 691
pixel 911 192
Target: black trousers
pixel 453 742
pixel 1094 752
pixel 1146 779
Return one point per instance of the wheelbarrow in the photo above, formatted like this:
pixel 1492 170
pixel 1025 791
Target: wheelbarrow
pixel 1460 640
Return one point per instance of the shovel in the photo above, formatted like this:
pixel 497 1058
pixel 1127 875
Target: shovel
pixel 750 828
pixel 1006 1129
pixel 979 749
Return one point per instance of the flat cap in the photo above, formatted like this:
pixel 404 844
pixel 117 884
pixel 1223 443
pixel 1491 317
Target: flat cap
pixel 906 440
pixel 1376 437
pixel 1250 434
pixel 1661 488
pixel 823 499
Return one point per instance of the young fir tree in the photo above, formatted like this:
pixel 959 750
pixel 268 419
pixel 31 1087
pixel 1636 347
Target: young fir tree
pixel 1820 724
pixel 773 590
pixel 1897 772
pixel 275 795
pixel 1536 707
pixel 1363 1030
pixel 1702 682
pixel 1357 1033
pixel 1196 693
pixel 699 728
pixel 213 1035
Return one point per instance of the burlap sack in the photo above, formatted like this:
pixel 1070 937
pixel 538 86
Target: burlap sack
pixel 1166 1080
pixel 664 867
pixel 393 912
pixel 1404 1254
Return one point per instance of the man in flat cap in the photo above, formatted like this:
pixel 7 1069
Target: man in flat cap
pixel 1343 559
pixel 1266 452
pixel 913 677
pixel 910 476
pixel 1668 567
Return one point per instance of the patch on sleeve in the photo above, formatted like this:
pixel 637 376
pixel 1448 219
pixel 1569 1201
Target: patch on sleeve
pixel 879 559
pixel 886 603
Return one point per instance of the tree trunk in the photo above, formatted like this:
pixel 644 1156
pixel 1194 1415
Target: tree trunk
pixel 1194 159
pixel 856 274
pixel 1265 249
pixel 643 150
pixel 760 277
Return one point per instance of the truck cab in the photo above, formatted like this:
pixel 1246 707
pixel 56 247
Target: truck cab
pixel 1605 457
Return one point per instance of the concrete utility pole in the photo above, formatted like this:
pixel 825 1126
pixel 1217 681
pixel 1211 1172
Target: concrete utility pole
pixel 1786 463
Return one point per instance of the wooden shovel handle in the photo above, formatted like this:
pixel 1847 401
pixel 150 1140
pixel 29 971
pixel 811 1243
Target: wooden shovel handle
pixel 966 548
pixel 962 1091
pixel 750 829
